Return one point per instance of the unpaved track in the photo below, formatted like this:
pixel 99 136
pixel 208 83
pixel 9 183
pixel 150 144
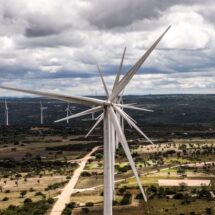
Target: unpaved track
pixel 64 197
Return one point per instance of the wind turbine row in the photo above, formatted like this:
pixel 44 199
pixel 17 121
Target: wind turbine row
pixel 42 108
pixel 111 111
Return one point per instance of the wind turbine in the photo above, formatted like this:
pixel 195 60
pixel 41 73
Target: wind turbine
pixel 42 108
pixel 93 114
pixel 6 112
pixel 68 112
pixel 110 108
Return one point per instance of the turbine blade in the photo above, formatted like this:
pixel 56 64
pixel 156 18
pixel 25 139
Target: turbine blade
pixel 75 99
pixel 103 82
pixel 124 143
pixel 130 118
pixel 133 107
pixel 126 79
pixel 98 117
pixel 122 113
pixel 94 126
pixel 119 71
pixel 130 104
pixel 83 113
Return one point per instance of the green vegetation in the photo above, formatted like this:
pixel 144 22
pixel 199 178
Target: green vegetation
pixel 55 185
pixel 29 208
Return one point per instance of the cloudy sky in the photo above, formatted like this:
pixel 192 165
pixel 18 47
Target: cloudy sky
pixel 55 45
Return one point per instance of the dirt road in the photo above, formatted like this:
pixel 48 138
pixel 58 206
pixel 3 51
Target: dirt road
pixel 64 197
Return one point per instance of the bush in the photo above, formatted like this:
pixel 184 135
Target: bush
pixel 126 199
pixel 27 200
pixel 31 189
pixel 71 205
pixel 23 193
pixel 115 202
pixel 40 194
pixel 5 199
pixel 121 190
pixel 55 185
pixel 170 191
pixel 29 208
pixel 153 189
pixel 208 210
pixel 139 196
pixel 85 174
pixel 85 210
pixel 89 204
pixel 124 168
pixel 50 200
pixel 178 196
pixel 99 156
pixel 68 209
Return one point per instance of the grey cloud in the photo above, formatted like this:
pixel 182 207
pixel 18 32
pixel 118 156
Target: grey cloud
pixel 74 39
pixel 54 44
pixel 40 25
pixel 113 14
pixel 39 30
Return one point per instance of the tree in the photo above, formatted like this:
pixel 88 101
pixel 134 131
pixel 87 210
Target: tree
pixel 126 199
pixel 99 156
pixel 27 200
pixel 208 210
pixel 182 186
pixel 85 174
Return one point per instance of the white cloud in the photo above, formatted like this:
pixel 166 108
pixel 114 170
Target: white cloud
pixel 56 44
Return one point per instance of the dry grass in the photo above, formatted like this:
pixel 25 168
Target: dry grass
pixel 14 194
pixel 32 183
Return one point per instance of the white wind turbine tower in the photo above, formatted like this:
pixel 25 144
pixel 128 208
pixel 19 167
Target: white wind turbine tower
pixel 110 109
pixel 93 114
pixel 42 108
pixel 6 112
pixel 68 112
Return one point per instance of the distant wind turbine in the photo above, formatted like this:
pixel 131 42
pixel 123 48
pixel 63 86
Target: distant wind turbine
pixel 110 108
pixel 6 113
pixel 93 114
pixel 42 108
pixel 68 112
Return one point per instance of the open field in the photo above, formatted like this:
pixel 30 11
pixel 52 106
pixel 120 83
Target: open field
pixel 181 152
pixel 186 182
pixel 160 206
pixel 43 147
pixel 32 186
